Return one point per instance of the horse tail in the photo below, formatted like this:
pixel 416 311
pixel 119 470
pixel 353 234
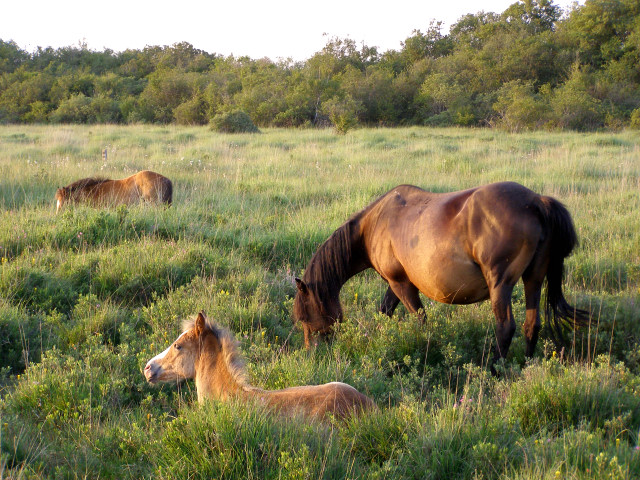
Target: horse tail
pixel 563 240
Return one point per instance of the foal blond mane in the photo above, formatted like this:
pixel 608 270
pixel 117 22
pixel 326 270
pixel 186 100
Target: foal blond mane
pixel 231 355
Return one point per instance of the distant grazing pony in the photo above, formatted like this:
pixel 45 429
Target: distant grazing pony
pixel 210 355
pixel 459 247
pixel 143 186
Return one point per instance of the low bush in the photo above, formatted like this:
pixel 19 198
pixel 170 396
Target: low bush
pixel 23 336
pixel 236 121
pixel 343 112
pixel 552 397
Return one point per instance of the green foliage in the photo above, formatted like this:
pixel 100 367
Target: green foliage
pixel 435 78
pixel 233 441
pixel 343 113
pixel 552 397
pixel 22 336
pixel 82 109
pixel 380 437
pixel 519 107
pixel 573 106
pixel 601 31
pixel 191 112
pixel 635 119
pixel 166 91
pixel 88 383
pixel 233 122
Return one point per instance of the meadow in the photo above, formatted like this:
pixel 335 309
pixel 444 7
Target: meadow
pixel 88 296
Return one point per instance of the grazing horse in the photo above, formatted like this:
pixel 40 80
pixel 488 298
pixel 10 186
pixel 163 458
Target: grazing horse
pixel 145 185
pixel 458 248
pixel 210 355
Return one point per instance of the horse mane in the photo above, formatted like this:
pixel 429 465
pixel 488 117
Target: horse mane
pixel 231 355
pixel 86 183
pixel 328 268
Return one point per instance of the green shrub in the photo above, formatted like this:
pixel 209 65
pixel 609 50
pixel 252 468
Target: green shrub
pixel 38 113
pixel 38 290
pixel 634 121
pixel 63 388
pixel 519 107
pixel 236 121
pixel 343 113
pixel 23 336
pixel 573 105
pixel 191 112
pixel 443 119
pixel 553 397
pixel 82 109
pixel 379 436
pixel 92 316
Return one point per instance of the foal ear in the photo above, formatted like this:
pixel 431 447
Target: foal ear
pixel 201 323
pixel 302 287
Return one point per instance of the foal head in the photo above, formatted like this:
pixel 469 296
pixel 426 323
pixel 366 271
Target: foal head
pixel 178 362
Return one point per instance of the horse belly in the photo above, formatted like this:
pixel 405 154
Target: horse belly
pixel 449 280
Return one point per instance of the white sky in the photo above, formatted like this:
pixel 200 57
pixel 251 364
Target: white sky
pixel 273 29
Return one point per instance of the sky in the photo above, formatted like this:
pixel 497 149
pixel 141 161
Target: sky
pixel 277 29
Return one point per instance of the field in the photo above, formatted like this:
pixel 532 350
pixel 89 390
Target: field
pixel 88 296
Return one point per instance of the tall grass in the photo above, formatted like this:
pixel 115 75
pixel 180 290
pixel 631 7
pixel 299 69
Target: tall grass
pixel 88 296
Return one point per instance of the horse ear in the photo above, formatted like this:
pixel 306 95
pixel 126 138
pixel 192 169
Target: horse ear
pixel 302 287
pixel 201 323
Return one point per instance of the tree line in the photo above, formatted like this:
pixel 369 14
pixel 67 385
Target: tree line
pixel 531 66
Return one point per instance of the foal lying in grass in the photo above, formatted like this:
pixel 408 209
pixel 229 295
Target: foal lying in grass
pixel 210 355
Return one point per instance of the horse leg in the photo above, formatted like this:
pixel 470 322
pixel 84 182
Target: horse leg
pixel 505 323
pixel 307 335
pixel 408 294
pixel 389 302
pixel 532 324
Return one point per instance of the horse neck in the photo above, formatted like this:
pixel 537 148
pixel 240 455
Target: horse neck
pixel 337 260
pixel 215 378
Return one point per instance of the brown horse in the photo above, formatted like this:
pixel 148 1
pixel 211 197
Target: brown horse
pixel 459 248
pixel 145 185
pixel 210 355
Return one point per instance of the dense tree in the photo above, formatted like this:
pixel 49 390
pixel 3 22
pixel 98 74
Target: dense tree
pixel 531 66
pixel 519 107
pixel 11 57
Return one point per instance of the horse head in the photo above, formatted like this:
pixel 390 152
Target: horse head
pixel 178 362
pixel 62 196
pixel 317 312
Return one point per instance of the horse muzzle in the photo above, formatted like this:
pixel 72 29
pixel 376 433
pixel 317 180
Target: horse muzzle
pixel 151 373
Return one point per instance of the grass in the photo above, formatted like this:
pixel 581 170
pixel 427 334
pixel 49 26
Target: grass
pixel 88 296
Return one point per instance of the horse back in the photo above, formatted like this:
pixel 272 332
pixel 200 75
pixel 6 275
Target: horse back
pixel 506 211
pixel 497 208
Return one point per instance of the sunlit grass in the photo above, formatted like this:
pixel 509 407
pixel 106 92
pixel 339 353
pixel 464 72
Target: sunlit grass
pixel 88 296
